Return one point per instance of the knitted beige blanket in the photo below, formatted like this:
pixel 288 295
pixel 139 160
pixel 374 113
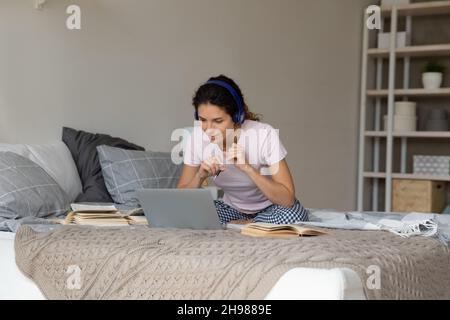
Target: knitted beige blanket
pixel 81 262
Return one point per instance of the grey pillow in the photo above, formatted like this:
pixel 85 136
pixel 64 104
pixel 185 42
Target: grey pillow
pixel 125 171
pixel 27 192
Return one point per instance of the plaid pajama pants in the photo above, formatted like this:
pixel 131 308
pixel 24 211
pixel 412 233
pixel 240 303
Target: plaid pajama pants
pixel 272 214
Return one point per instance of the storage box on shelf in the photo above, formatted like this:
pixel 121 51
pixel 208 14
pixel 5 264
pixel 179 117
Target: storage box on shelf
pixel 384 38
pixel 435 165
pixel 418 196
pixel 389 3
pixel 405 119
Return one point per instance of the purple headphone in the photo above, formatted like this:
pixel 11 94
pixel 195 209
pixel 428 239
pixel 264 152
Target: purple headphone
pixel 238 117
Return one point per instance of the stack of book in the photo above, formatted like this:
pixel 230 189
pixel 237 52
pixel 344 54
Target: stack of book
pixel 103 215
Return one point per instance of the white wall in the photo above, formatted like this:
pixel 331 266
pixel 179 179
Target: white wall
pixel 133 68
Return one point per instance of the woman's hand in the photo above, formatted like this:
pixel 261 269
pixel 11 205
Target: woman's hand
pixel 236 156
pixel 210 167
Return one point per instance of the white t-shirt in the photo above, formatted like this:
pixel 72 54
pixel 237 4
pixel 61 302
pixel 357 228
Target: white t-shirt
pixel 263 148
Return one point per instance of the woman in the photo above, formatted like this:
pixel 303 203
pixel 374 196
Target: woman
pixel 245 157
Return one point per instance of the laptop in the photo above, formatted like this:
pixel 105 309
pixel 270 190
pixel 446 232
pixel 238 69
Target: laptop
pixel 179 208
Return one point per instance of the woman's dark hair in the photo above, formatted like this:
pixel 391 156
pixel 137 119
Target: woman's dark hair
pixel 210 93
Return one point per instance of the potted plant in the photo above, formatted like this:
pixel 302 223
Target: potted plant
pixel 432 75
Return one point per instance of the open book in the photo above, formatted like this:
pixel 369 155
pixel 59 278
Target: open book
pixel 103 215
pixel 261 229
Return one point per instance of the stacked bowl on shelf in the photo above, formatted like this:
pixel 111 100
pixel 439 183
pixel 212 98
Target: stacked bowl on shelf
pixel 405 118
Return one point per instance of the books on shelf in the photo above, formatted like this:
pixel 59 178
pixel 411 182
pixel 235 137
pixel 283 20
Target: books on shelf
pixel 103 215
pixel 262 229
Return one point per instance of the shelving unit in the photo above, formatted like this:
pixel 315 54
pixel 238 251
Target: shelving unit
pixel 378 96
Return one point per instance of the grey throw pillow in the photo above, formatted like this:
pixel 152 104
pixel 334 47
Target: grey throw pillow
pixel 125 171
pixel 27 192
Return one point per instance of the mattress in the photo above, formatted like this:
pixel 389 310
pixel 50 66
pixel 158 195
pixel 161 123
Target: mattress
pixel 295 284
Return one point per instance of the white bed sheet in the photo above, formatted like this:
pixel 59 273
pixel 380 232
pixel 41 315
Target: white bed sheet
pixel 296 284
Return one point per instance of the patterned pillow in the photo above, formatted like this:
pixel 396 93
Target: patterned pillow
pixel 124 171
pixel 55 159
pixel 27 191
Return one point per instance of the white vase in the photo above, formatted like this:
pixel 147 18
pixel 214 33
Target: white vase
pixel 432 80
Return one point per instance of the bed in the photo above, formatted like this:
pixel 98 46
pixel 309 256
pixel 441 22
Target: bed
pixel 152 263
pixel 410 252
pixel 295 284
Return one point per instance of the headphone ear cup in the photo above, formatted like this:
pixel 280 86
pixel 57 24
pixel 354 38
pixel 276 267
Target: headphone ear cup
pixel 237 118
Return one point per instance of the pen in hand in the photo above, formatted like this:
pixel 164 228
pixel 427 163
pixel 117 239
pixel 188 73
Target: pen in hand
pixel 217 174
pixel 217 160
